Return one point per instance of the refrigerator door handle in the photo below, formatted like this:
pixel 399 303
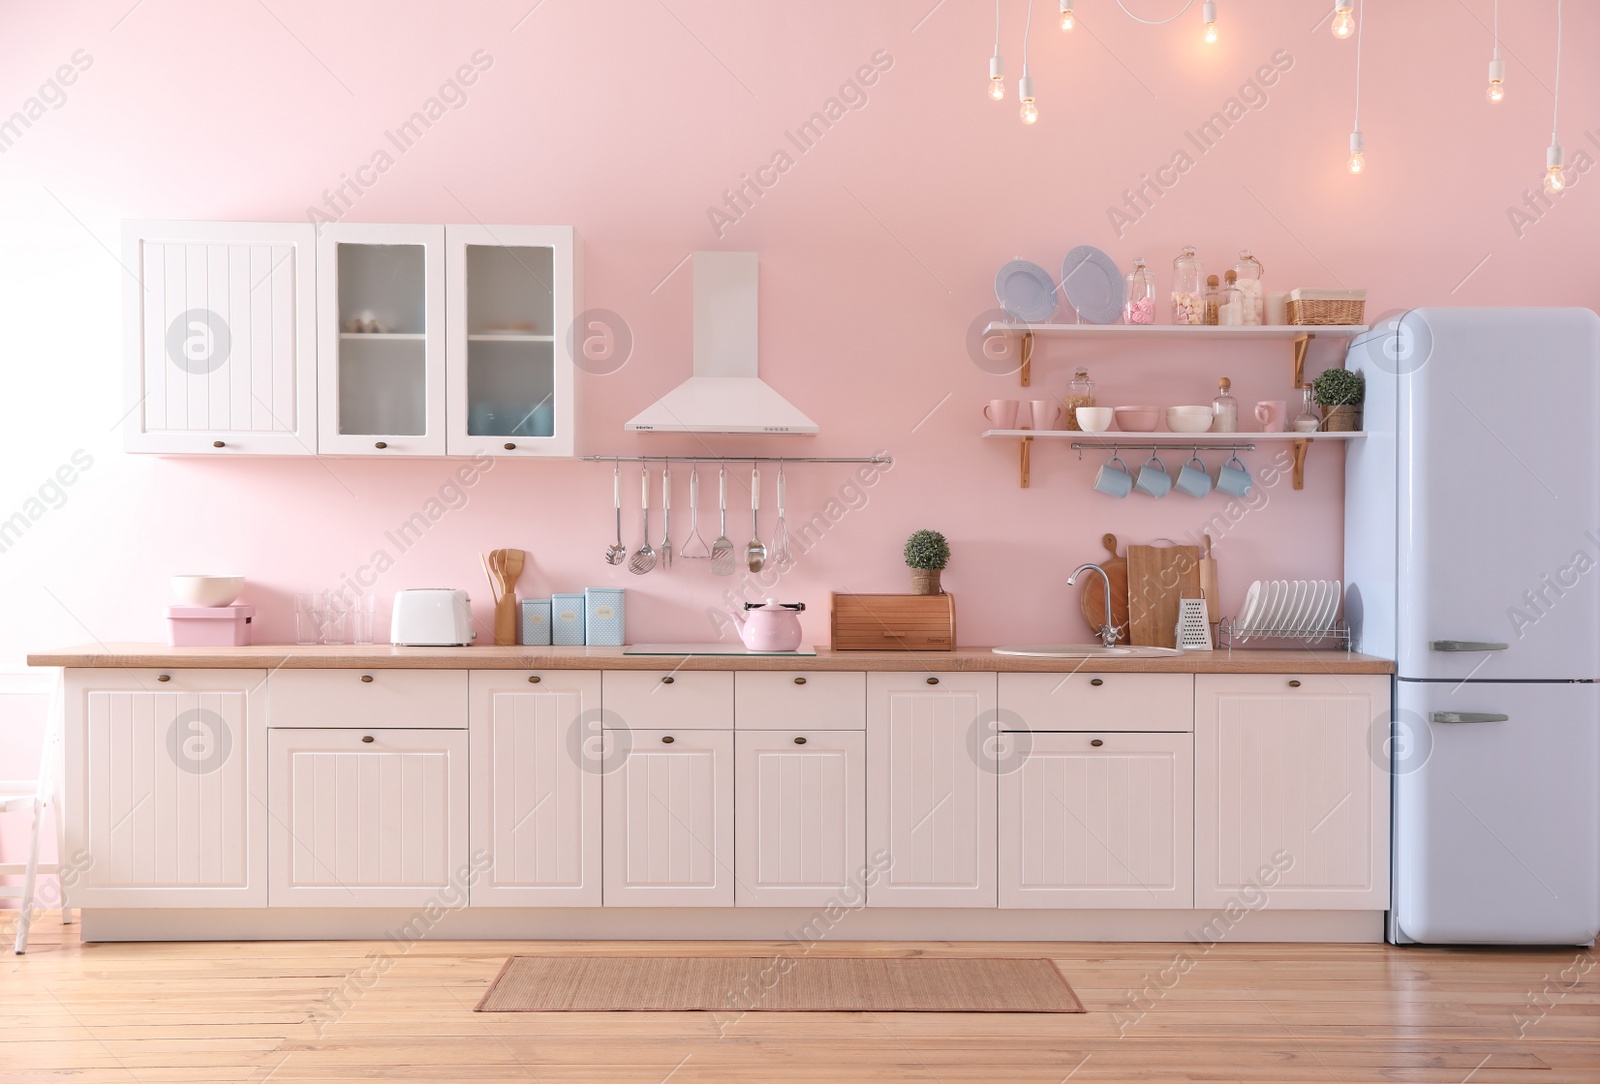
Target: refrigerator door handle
pixel 1467 717
pixel 1468 645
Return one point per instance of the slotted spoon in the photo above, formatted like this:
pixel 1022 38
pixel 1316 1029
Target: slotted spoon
pixel 755 552
pixel 644 558
pixel 722 548
pixel 694 521
pixel 617 551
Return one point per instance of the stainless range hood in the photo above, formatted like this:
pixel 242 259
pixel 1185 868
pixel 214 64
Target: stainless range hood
pixel 724 395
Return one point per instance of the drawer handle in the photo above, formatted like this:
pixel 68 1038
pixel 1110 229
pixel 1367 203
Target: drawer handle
pixel 533 679
pixel 1097 681
pixel 219 444
pixel 1097 743
pixel 668 680
pixel 510 447
pixel 933 681
pixel 799 741
pixel 163 677
pixel 367 678
pixel 381 444
pixel 667 740
pixel 799 681
pixel 1294 683
pixel 366 737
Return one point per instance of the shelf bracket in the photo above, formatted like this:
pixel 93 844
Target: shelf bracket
pixel 1026 368
pixel 1027 459
pixel 1301 344
pixel 1300 447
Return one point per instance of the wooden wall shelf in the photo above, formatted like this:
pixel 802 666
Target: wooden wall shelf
pixel 1132 441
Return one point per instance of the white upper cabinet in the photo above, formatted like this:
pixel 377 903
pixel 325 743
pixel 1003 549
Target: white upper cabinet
pixel 219 354
pixel 512 299
pixel 380 340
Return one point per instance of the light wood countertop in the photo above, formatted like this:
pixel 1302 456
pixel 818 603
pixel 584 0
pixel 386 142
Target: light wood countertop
pixel 969 659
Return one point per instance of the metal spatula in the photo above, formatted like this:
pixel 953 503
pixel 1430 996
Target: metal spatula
pixel 755 553
pixel 722 548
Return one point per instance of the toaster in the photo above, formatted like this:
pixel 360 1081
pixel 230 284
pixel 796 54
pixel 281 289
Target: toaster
pixel 431 617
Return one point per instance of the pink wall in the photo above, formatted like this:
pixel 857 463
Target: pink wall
pixel 878 249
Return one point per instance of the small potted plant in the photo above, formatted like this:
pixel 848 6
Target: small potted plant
pixel 1340 392
pixel 926 554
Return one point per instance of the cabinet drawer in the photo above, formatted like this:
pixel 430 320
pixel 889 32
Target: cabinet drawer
pixel 1072 702
pixel 367 699
pixel 664 699
pixel 786 700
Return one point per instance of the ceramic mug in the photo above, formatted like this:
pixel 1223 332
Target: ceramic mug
pixel 1154 481
pixel 1232 477
pixel 1271 414
pixel 1114 478
pixel 1002 413
pixel 1193 479
pixel 1045 413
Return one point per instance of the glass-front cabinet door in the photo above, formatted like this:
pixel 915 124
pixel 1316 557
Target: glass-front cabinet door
pixel 380 340
pixel 511 305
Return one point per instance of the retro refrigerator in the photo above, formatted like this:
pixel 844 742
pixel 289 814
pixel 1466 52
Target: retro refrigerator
pixel 1472 558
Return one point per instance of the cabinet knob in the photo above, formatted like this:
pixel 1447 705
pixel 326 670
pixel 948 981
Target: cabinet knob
pixel 1097 681
pixel 163 677
pixel 381 444
pixel 1096 742
pixel 799 741
pixel 668 680
pixel 667 740
pixel 533 679
pixel 799 681
pixel 1294 683
pixel 510 447
pixel 933 681
pixel 219 444
pixel 367 678
pixel 366 737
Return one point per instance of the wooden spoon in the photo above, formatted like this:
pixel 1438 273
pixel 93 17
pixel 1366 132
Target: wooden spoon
pixel 507 566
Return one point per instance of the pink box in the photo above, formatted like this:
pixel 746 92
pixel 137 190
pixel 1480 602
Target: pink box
pixel 209 626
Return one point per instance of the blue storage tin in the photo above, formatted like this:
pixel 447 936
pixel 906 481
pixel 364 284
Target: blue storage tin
pixel 536 622
pixel 603 616
pixel 566 620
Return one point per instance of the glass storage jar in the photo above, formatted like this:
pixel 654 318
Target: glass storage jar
pixel 1140 307
pixel 1080 392
pixel 1188 302
pixel 1248 270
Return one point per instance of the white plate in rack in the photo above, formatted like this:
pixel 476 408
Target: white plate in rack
pixel 1247 611
pixel 1303 592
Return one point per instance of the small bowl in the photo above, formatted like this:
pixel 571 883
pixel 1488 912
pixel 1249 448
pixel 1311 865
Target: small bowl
pixel 207 590
pixel 1138 419
pixel 1095 419
pixel 1189 419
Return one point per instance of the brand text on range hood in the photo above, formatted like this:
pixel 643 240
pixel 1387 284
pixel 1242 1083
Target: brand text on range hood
pixel 724 395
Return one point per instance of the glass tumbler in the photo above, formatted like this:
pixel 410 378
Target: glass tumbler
pixel 362 608
pixel 307 618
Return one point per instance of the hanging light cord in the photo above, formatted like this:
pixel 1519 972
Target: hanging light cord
pixel 1497 32
pixel 1155 22
pixel 997 26
pixel 1026 31
pixel 1361 24
pixel 1555 118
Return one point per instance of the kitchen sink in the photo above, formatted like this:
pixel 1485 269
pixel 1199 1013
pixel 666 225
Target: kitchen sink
pixel 1087 651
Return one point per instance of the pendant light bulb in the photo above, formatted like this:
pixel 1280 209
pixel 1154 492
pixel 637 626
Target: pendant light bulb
pixel 997 78
pixel 1358 144
pixel 1030 111
pixel 1210 15
pixel 1497 78
pixel 1554 175
pixel 1067 21
pixel 1344 19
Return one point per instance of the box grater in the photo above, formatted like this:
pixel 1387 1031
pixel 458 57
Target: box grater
pixel 1194 625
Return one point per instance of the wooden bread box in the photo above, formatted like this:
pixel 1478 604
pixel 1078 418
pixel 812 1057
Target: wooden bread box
pixel 894 622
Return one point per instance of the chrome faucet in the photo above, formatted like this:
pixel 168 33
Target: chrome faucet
pixel 1108 631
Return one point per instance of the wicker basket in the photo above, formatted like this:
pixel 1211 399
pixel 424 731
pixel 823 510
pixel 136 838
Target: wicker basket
pixel 1344 311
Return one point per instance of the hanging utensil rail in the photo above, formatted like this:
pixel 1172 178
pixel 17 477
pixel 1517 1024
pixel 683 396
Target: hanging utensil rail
pixel 1114 446
pixel 738 459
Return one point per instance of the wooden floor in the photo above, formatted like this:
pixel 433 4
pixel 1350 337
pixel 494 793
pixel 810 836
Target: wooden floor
pixel 261 1011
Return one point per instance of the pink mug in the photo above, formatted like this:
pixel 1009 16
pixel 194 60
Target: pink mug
pixel 1044 413
pixel 1271 414
pixel 1002 413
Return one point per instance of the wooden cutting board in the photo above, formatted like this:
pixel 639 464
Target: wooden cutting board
pixel 1157 577
pixel 1092 594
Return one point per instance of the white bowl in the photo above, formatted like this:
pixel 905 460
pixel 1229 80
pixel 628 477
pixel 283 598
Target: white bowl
pixel 207 590
pixel 1095 419
pixel 1189 419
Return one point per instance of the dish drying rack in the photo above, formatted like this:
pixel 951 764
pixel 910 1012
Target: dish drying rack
pixel 1228 632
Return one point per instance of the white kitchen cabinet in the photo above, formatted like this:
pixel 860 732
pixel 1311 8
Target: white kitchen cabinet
pixel 513 295
pixel 536 769
pixel 667 823
pixel 219 337
pixel 367 818
pixel 166 785
pixel 1097 820
pixel 931 789
pixel 799 811
pixel 381 339
pixel 1286 775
